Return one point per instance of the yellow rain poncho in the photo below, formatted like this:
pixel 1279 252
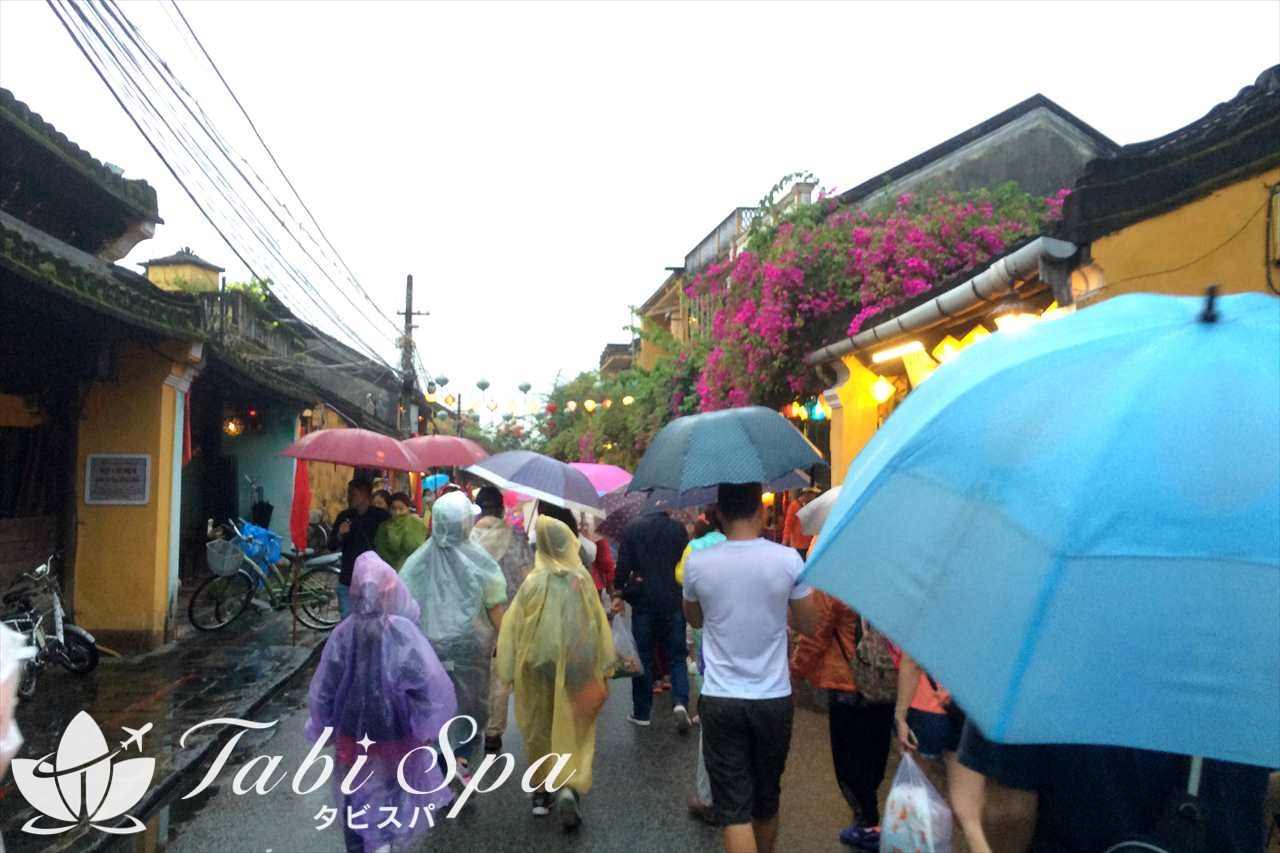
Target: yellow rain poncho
pixel 556 647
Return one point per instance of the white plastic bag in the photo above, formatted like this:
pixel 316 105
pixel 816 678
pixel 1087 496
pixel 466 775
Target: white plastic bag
pixel 916 818
pixel 624 645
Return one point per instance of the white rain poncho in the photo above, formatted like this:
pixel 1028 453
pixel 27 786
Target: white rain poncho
pixel 455 583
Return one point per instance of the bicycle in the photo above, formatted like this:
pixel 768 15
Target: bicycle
pixel 246 563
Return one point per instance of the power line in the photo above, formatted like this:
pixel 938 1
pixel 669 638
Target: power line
pixel 209 128
pixel 267 148
pixel 219 183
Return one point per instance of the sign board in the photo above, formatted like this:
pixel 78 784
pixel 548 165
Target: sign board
pixel 117 478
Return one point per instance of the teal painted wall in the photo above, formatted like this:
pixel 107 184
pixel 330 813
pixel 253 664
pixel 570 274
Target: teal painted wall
pixel 256 456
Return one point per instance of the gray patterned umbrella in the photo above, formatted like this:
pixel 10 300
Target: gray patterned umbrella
pixel 747 445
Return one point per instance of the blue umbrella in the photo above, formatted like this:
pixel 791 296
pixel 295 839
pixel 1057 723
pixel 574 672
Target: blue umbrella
pixel 540 477
pixel 1076 529
pixel 435 482
pixel 747 445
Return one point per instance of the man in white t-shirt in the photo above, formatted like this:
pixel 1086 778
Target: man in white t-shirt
pixel 739 593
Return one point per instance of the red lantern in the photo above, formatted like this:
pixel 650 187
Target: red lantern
pixel 552 408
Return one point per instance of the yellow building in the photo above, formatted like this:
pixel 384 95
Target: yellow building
pixel 183 271
pixel 1196 207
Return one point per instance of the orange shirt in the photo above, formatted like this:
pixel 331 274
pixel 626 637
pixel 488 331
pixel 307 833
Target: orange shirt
pixel 928 699
pixel 793 534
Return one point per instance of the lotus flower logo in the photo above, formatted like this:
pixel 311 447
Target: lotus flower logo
pixel 80 784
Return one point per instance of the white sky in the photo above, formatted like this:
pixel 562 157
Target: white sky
pixel 536 166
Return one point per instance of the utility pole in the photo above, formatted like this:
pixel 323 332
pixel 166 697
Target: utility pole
pixel 409 384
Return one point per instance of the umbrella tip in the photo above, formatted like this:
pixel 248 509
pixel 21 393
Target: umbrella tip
pixel 1210 312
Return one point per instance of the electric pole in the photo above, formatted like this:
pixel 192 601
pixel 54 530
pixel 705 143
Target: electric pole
pixel 409 383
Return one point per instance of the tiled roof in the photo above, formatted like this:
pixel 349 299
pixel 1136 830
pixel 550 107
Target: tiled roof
pixel 1235 139
pixel 955 143
pixel 111 290
pixel 183 256
pixel 137 195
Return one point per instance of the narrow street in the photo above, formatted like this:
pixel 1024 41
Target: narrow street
pixel 642 780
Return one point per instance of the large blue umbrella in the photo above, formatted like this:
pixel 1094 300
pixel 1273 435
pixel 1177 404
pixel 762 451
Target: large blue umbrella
pixel 1076 529
pixel 747 445
pixel 540 477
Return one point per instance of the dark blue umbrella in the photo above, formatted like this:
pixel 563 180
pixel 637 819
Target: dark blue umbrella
pixel 540 477
pixel 748 445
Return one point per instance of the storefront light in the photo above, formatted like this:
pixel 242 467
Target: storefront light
pixel 233 427
pixel 896 352
pixel 882 390
pixel 1012 316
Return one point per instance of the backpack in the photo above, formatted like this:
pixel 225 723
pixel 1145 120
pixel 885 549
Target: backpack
pixel 874 671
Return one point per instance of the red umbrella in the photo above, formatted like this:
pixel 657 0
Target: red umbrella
pixel 360 448
pixel 443 451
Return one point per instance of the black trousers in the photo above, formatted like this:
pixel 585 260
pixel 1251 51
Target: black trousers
pixel 860 738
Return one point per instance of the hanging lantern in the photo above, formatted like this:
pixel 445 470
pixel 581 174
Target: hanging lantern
pixel 589 405
pixel 571 406
pixel 628 400
pixel 524 387
pixel 493 407
pixel 552 408
pixel 607 403
pixel 232 427
pixel 768 498
pixel 450 400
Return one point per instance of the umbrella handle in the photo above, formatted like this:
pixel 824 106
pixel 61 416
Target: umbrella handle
pixel 1193 778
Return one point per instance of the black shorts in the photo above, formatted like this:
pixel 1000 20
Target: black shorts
pixel 745 744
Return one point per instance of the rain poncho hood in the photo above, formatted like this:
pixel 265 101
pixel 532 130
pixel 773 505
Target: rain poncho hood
pixel 509 547
pixel 456 582
pixel 398 537
pixel 379 677
pixel 557 649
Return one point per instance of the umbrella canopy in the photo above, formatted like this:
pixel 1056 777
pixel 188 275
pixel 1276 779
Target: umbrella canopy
pixel 540 477
pixel 814 514
pixel 360 448
pixel 621 508
pixel 1074 529
pixel 441 451
pixel 605 478
pixel 748 445
pixel 435 482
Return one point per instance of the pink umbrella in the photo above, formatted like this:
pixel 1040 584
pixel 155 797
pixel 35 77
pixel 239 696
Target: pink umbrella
pixel 443 451
pixel 360 448
pixel 605 478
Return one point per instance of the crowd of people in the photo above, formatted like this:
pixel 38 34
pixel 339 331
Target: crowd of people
pixel 463 616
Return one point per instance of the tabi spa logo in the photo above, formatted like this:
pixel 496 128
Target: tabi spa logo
pixel 87 783
pixel 83 783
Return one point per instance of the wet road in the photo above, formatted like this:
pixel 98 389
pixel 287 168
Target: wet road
pixel 638 803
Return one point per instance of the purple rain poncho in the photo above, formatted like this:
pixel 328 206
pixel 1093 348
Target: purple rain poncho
pixel 380 678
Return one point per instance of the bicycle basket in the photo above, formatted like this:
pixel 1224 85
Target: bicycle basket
pixel 225 557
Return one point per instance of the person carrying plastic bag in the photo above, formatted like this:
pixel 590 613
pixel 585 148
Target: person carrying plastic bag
pixel 556 647
pixel 381 689
pixel 916 817
pixel 461 591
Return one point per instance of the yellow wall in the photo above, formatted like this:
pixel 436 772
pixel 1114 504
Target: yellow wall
pixel 1219 239
pixel 122 552
pixel 650 352
pixel 329 481
pixel 854 417
pixel 185 277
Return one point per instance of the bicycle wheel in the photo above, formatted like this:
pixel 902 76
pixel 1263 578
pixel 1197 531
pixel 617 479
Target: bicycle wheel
pixel 81 656
pixel 220 600
pixel 315 599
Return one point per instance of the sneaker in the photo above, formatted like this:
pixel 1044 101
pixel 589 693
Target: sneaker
pixel 682 719
pixel 862 837
pixel 634 720
pixel 541 804
pixel 567 809
pixel 700 810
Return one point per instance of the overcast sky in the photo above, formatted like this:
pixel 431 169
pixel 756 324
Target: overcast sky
pixel 536 166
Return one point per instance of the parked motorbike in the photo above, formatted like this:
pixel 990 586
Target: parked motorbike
pixel 33 607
